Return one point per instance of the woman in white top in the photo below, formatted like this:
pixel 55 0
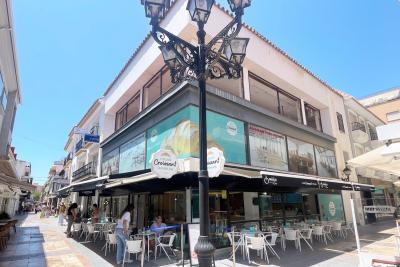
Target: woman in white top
pixel 121 231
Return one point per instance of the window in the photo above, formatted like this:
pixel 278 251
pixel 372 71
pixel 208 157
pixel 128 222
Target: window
pixel 290 107
pixel 133 107
pixel 263 95
pixel 393 116
pixel 232 86
pixel 326 162
pixel 152 90
pixel 3 93
pixel 120 118
pixel 301 156
pixel 166 81
pixel 340 122
pixel 372 132
pixel 313 117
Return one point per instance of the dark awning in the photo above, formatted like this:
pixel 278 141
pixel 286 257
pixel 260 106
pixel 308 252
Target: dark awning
pixel 363 187
pixel 273 178
pixel 89 185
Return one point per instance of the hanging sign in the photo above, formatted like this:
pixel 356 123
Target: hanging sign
pixel 164 164
pixel 379 209
pixel 194 234
pixel 78 130
pixel 91 138
pixel 215 162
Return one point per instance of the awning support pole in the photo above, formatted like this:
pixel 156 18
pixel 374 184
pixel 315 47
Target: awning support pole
pixel 356 230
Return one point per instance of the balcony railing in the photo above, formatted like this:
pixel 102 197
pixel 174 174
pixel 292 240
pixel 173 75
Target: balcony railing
pixel 358 126
pixel 86 170
pixel 78 145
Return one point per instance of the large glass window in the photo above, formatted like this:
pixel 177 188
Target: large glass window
pixel 170 205
pixel 326 162
pixel 290 107
pixel 267 148
pixel 236 206
pixel 233 86
pixel 152 91
pixel 313 117
pixel 263 95
pixel 301 156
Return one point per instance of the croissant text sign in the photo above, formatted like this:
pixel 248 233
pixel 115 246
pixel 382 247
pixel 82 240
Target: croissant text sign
pixel 215 162
pixel 164 164
pixel 379 209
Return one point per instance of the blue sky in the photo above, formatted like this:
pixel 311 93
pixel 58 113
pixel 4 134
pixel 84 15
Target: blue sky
pixel 70 51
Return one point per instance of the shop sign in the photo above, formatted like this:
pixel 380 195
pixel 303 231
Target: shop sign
pixel 357 187
pixel 215 162
pixel 270 180
pixel 164 164
pixel 379 209
pixel 194 234
pixel 91 138
pixel 334 185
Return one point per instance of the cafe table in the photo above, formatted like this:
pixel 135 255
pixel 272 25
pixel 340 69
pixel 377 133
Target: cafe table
pixel 147 235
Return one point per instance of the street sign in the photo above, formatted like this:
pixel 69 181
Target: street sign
pixel 91 138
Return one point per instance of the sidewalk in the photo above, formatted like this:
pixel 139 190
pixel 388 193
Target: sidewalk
pixel 41 242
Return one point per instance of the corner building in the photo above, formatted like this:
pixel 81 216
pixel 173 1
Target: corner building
pixel 277 127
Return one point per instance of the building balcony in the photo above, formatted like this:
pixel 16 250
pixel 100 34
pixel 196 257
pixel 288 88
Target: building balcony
pixel 359 132
pixel 374 142
pixel 85 171
pixel 79 145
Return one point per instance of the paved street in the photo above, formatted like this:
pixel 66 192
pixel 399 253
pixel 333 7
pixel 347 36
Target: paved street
pixel 41 242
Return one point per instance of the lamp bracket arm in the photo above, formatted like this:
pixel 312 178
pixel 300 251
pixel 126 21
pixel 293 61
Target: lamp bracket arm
pixel 213 51
pixel 186 53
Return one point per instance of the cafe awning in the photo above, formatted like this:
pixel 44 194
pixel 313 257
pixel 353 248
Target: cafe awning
pixel 384 158
pixel 285 179
pixel 130 180
pixel 88 185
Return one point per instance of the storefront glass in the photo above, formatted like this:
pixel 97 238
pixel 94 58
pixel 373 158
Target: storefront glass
pixel 267 148
pixel 132 155
pixel 301 156
pixel 326 162
pixel 170 205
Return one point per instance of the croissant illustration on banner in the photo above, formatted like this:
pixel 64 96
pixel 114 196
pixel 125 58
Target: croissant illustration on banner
pixel 184 140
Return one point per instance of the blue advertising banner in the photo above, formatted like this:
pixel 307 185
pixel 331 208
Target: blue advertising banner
pixel 132 155
pixel 180 134
pixel 91 138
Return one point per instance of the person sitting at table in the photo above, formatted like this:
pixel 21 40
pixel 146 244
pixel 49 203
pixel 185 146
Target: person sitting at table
pixel 158 226
pixel 95 214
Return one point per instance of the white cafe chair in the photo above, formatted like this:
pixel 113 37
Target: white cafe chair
pixel 292 235
pixel 111 241
pixel 257 244
pixel 270 244
pixel 132 247
pixel 76 228
pixel 85 230
pixel 92 233
pixel 318 232
pixel 162 245
pixel 337 229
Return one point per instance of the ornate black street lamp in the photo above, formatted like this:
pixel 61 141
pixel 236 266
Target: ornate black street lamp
pixel 347 173
pixel 221 57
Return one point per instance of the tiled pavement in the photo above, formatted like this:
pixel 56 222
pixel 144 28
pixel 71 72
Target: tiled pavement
pixel 40 242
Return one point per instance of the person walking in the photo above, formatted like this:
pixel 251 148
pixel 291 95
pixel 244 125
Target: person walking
pixel 71 216
pixel 61 214
pixel 121 231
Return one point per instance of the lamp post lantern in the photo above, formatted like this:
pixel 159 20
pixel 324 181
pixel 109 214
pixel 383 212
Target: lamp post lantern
pixel 221 57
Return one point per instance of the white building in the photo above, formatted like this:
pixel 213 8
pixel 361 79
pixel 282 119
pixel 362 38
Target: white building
pixel 10 97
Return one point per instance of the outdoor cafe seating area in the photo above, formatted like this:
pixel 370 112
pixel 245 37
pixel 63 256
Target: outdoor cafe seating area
pixel 248 242
pixel 154 243
pixel 274 239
